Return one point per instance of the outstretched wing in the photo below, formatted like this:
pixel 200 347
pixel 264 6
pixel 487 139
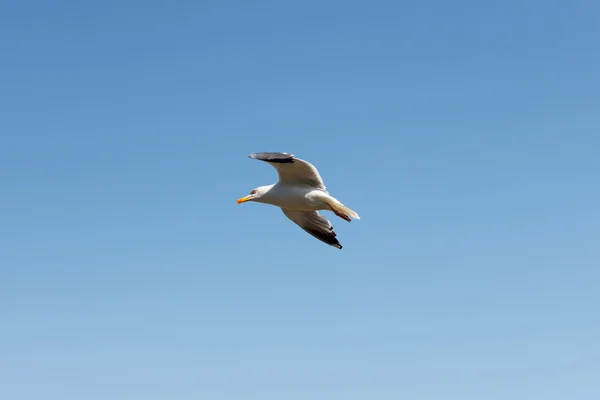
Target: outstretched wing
pixel 315 224
pixel 292 170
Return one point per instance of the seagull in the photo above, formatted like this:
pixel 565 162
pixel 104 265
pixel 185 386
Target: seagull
pixel 300 193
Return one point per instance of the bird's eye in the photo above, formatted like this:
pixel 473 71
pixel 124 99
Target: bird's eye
pixel 253 192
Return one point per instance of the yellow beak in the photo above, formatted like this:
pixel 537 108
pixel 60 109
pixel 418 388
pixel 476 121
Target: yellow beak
pixel 243 199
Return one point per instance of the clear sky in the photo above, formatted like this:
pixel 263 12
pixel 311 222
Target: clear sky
pixel 466 134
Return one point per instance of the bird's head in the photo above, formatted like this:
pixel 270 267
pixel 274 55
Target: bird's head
pixel 254 195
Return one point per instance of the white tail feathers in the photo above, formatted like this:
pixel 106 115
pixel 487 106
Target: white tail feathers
pixel 339 207
pixel 336 206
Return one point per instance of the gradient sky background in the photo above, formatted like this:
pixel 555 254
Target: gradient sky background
pixel 466 134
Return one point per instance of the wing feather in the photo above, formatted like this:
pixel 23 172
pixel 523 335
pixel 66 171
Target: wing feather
pixel 292 170
pixel 314 224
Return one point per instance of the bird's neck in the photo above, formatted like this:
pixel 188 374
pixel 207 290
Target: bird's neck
pixel 269 194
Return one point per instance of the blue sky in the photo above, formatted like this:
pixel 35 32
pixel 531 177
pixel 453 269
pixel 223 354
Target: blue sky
pixel 465 134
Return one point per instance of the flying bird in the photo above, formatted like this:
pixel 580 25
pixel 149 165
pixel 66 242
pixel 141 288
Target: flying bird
pixel 301 194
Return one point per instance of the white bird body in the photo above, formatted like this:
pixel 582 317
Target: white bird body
pixel 301 194
pixel 295 198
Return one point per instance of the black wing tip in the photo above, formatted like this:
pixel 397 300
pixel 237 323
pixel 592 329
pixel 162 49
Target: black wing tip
pixel 273 157
pixel 329 238
pixel 335 244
